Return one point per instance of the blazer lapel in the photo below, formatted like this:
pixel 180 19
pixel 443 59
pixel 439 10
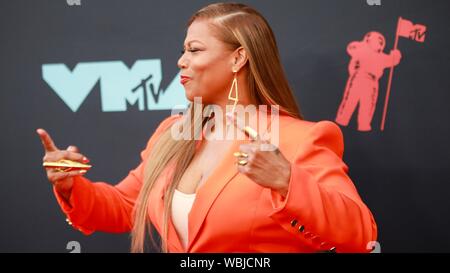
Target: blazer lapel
pixel 207 194
pixel 173 240
pixel 212 187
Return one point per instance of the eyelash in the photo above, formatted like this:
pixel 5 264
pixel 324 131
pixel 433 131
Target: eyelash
pixel 192 50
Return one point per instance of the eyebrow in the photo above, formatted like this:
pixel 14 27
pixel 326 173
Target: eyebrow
pixel 190 42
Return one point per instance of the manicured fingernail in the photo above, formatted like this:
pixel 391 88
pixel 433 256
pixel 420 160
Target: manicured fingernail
pixel 82 171
pixel 85 159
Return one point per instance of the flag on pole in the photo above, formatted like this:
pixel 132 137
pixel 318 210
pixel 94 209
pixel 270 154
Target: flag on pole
pixel 411 31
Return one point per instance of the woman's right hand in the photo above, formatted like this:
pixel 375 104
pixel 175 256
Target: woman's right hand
pixel 62 181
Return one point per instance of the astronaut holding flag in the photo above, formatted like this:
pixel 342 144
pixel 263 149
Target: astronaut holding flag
pixel 406 29
pixel 366 67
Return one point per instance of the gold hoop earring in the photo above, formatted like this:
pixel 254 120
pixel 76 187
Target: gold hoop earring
pixel 234 97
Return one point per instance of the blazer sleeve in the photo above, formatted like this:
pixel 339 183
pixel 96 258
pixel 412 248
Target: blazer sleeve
pixel 99 206
pixel 322 208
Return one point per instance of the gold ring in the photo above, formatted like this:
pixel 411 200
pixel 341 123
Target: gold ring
pixel 239 154
pixel 242 162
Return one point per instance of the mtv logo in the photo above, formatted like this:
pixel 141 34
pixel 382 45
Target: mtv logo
pixel 119 85
pixel 418 34
pixel 408 29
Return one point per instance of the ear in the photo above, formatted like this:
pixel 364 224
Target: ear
pixel 239 59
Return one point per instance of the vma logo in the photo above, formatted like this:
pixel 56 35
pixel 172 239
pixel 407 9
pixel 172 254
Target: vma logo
pixel 119 85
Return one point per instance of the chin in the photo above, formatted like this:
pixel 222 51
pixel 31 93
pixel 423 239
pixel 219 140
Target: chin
pixel 190 95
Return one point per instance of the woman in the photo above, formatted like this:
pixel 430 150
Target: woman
pixel 221 195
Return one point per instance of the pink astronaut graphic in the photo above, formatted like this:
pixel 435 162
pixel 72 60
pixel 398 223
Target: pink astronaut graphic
pixel 366 67
pixel 367 64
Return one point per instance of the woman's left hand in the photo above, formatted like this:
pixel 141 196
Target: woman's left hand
pixel 264 164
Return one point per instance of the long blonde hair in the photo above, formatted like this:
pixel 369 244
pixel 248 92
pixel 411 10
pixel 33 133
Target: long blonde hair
pixel 235 25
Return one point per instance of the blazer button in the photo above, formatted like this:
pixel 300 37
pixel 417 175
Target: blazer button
pixel 315 239
pixel 294 223
pixel 332 250
pixel 301 228
pixel 323 244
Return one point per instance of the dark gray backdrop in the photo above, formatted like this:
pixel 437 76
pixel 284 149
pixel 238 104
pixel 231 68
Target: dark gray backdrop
pixel 401 173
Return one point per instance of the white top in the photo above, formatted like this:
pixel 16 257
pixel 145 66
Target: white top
pixel 181 206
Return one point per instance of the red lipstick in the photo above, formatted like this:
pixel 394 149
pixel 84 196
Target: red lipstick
pixel 184 79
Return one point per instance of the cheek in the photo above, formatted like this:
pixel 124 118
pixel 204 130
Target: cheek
pixel 210 81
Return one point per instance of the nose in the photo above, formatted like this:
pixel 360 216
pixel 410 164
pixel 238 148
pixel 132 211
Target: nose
pixel 182 62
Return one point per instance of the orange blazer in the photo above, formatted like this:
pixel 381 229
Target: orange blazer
pixel 322 210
